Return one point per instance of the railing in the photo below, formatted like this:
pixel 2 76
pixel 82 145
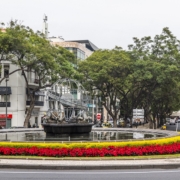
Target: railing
pixel 67 102
pixel 36 103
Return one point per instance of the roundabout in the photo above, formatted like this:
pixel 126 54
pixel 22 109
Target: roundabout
pixel 101 142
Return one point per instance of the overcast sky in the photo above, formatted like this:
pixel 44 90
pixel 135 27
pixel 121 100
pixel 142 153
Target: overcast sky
pixel 106 23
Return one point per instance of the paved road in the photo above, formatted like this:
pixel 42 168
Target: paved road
pixel 9 174
pixel 173 127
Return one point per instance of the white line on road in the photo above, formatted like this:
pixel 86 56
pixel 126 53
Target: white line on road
pixel 90 172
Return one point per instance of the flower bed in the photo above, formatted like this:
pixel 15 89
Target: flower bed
pixel 93 149
pixel 93 152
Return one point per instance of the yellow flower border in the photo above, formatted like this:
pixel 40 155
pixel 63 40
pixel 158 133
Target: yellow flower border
pixel 99 144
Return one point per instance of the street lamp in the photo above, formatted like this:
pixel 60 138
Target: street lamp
pixel 7 79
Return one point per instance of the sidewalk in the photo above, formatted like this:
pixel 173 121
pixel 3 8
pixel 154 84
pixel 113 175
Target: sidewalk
pixel 89 165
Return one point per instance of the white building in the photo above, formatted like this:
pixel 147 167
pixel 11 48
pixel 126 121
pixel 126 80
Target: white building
pixel 17 99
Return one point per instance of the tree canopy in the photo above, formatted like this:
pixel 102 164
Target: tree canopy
pixel 144 76
pixel 31 52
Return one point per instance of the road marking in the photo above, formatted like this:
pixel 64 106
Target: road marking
pixel 92 172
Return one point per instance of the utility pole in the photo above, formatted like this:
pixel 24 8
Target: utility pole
pixel 45 26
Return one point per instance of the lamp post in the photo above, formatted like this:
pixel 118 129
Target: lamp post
pixel 93 110
pixel 7 79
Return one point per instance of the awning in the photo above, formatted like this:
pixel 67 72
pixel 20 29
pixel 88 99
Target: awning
pixel 5 90
pixel 176 113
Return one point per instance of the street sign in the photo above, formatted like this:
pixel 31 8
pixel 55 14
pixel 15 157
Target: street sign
pixel 98 116
pixel 138 114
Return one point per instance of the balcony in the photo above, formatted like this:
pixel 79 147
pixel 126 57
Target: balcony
pixel 36 103
pixel 3 104
pixel 33 82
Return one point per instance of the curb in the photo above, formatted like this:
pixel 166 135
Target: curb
pixel 89 167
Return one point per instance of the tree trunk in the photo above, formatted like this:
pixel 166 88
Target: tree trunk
pixel 154 123
pixel 161 120
pixel 28 116
pixel 150 121
pixel 157 124
pixel 114 121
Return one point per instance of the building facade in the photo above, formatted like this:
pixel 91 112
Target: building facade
pixel 80 48
pixel 14 101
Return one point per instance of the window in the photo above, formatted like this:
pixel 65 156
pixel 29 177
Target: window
pixel 6 70
pixel 80 54
pixel 3 98
pixel 36 121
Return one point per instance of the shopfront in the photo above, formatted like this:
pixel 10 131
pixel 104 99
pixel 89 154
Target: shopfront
pixel 3 122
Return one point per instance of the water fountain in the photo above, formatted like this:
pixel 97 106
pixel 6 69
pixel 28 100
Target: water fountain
pixel 67 109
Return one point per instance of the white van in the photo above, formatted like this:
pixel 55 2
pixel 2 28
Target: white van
pixel 172 121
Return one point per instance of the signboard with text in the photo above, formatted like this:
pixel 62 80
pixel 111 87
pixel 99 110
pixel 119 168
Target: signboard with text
pixel 138 114
pixel 3 116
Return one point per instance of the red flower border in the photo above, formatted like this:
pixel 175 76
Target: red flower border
pixel 93 152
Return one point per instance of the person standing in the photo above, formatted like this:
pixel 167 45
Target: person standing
pixel 136 124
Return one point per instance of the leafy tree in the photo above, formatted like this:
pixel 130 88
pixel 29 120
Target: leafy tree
pixel 146 76
pixel 162 52
pixel 100 71
pixel 31 52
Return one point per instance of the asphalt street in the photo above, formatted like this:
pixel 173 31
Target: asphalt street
pixel 146 174
pixel 173 127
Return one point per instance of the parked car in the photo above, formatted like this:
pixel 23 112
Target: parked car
pixel 178 121
pixel 172 121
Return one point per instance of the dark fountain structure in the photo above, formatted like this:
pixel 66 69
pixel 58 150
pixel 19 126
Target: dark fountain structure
pixel 67 109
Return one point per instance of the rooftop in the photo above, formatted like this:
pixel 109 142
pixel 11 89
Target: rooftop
pixel 88 44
